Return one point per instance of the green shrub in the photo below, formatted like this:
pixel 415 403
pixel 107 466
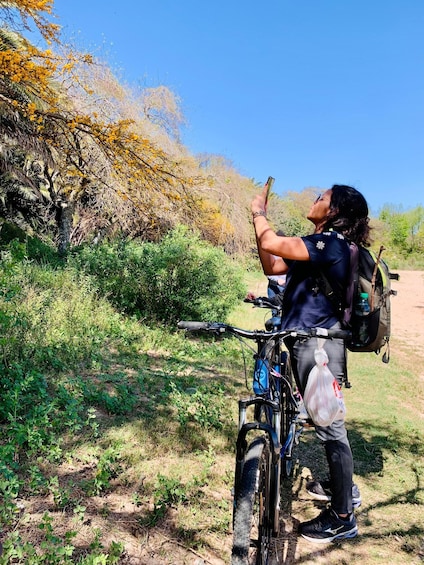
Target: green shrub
pixel 204 405
pixel 53 318
pixel 182 277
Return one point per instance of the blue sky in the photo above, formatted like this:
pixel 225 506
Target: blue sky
pixel 312 92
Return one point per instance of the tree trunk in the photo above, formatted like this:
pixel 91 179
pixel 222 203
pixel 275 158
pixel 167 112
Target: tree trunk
pixel 64 219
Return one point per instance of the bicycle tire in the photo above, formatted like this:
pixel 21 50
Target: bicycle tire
pixel 252 524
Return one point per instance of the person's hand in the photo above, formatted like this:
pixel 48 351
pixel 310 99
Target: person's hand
pixel 250 296
pixel 259 203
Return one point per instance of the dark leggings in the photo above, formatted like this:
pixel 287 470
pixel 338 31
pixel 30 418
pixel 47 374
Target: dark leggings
pixel 334 437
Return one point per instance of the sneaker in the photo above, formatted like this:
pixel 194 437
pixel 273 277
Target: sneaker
pixel 321 490
pixel 328 527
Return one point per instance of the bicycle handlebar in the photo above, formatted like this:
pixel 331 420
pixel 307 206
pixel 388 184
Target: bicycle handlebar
pixel 264 302
pixel 197 326
pixel 221 328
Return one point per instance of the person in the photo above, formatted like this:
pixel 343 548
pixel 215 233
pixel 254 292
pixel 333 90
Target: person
pixel 276 284
pixel 339 215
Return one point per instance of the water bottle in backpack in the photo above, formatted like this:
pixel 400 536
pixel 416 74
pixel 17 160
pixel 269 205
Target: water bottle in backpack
pixel 362 310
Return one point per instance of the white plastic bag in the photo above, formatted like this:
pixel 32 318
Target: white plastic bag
pixel 323 397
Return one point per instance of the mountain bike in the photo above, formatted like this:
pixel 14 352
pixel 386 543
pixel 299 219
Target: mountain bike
pixel 261 462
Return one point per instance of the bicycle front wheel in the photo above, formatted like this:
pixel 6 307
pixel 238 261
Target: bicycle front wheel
pixel 252 510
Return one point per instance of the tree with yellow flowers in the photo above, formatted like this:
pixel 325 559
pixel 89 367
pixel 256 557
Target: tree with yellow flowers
pixel 57 153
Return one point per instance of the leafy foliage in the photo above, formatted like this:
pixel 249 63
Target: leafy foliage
pixel 49 339
pixel 406 229
pixel 288 213
pixel 58 153
pixel 204 405
pixel 180 277
pixel 45 314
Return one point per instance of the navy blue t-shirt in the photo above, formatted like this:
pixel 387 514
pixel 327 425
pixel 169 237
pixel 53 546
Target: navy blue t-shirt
pixel 305 305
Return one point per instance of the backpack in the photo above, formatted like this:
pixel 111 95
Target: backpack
pixel 370 274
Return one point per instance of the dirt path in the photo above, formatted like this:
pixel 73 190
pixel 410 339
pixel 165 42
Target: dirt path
pixel 408 311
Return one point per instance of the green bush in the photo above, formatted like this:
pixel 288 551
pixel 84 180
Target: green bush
pixel 52 317
pixel 182 277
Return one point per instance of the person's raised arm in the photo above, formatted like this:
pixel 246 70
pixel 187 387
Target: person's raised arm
pixel 271 264
pixel 270 244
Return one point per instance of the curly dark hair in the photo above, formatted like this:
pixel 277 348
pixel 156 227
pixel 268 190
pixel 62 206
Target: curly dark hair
pixel 349 214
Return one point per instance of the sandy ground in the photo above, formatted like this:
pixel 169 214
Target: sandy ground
pixel 408 311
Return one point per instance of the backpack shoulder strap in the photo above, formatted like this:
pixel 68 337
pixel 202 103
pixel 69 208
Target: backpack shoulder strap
pixel 377 260
pixel 343 303
pixel 352 287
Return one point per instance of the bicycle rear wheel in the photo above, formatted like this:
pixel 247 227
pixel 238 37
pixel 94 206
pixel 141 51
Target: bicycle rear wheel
pixel 252 513
pixel 288 416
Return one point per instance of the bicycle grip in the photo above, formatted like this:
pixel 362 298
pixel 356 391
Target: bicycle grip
pixel 193 326
pixel 334 333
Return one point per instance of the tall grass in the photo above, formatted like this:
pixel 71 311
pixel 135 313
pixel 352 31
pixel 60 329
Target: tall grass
pixel 74 369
